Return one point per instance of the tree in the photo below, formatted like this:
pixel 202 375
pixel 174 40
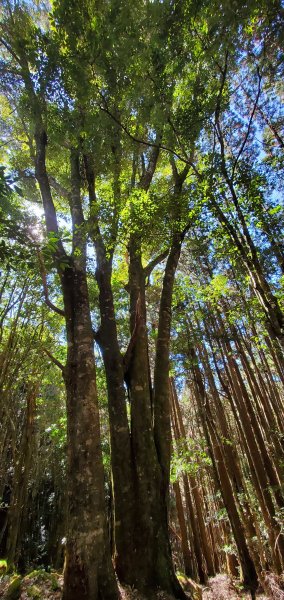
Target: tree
pixel 88 568
pixel 158 217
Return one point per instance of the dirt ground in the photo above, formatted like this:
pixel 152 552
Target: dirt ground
pixel 42 586
pixel 221 588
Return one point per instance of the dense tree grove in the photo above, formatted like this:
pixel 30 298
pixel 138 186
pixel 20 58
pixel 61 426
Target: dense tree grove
pixel 141 293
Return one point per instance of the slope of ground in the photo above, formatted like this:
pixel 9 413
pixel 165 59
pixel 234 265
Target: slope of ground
pixel 222 588
pixel 40 585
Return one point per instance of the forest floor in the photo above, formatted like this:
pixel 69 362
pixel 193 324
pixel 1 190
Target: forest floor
pixel 222 588
pixel 40 585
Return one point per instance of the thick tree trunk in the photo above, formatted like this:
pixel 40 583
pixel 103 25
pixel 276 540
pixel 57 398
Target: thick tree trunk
pixel 151 517
pixel 150 455
pixel 140 501
pixel 88 572
pixel 124 501
pixel 125 542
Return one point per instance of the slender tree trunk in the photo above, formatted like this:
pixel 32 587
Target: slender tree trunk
pixel 248 569
pixel 183 532
pixel 162 410
pixel 232 464
pixel 192 490
pixel 17 507
pixel 257 469
pixel 248 253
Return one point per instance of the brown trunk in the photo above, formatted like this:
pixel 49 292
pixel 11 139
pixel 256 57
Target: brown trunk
pixel 240 236
pixel 125 542
pixel 200 571
pixel 232 462
pixel 231 559
pixel 249 575
pixel 250 422
pixel 248 253
pixel 257 469
pixel 213 534
pixel 88 572
pixel 265 416
pixel 162 411
pixel 154 567
pixel 192 489
pixel 252 428
pixel 17 508
pixel 248 569
pixel 266 392
pixel 183 532
pixel 277 358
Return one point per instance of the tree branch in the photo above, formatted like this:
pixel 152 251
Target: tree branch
pixel 48 302
pixel 153 263
pixel 10 50
pixel 134 138
pixel 60 189
pixel 54 360
pixel 128 354
pixel 265 118
pixel 179 178
pixel 248 128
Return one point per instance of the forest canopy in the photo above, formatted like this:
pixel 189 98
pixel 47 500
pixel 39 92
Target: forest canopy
pixel 141 296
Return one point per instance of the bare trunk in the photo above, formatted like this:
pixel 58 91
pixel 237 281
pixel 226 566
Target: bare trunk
pixel 248 569
pixel 17 507
pixel 183 532
pixel 88 571
pixel 121 455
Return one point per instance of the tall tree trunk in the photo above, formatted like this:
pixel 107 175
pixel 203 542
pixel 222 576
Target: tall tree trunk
pixel 241 237
pixel 232 462
pixel 125 541
pixel 261 287
pixel 191 490
pixel 88 572
pixel 248 569
pixel 140 499
pixel 257 468
pixel 183 532
pixel 162 410
pixel 17 507
pixel 150 453
pixel 151 517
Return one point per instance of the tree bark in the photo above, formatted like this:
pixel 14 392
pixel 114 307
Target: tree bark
pixel 125 542
pixel 88 571
pixel 248 569
pixel 17 507
pixel 151 475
